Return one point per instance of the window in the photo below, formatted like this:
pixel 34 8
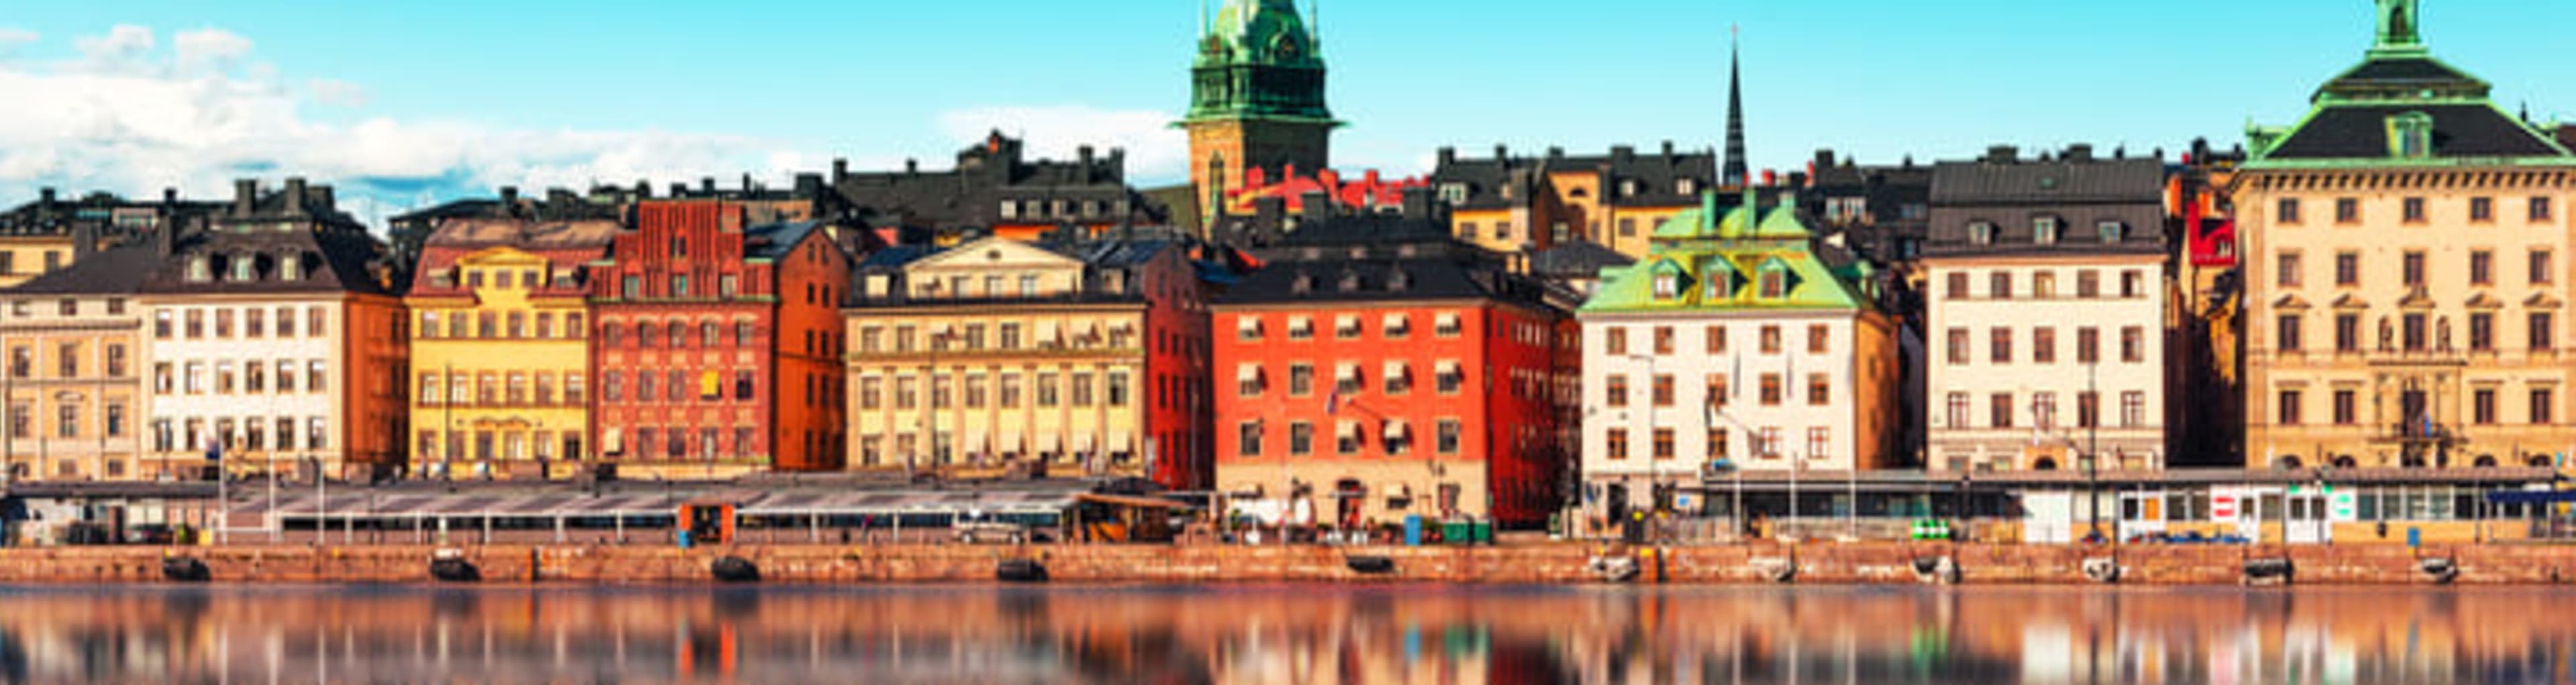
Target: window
pixel 2088 410
pixel 1118 389
pixel 1772 389
pixel 1615 341
pixel 1667 286
pixel 2043 410
pixel 2346 411
pixel 1301 438
pixel 1301 379
pixel 1999 349
pixel 1615 390
pixel 223 323
pixel 2347 269
pixel 2088 284
pixel 1958 346
pixel 975 391
pixel 2544 406
pixel 2539 209
pixel 1820 389
pixel 1451 377
pixel 2043 230
pixel 2288 268
pixel 1717 439
pixel 1999 286
pixel 2544 331
pixel 1398 378
pixel 2414 210
pixel 1347 439
pixel 1664 447
pixel 1618 449
pixel 2288 408
pixel 2482 209
pixel 314 321
pixel 2347 333
pixel 2288 331
pixel 2483 407
pixel 1775 283
pixel 116 360
pixel 1663 340
pixel 1447 326
pixel 2133 409
pixel 2481 268
pixel 1717 391
pixel 1766 442
pixel 2133 345
pixel 2414 269
pixel 1958 410
pixel 1999 410
pixel 1981 233
pixel 2541 272
pixel 1958 286
pixel 2288 213
pixel 2347 210
pixel 1248 439
pixel 1819 338
pixel 2414 336
pixel 2043 345
pixel 1663 390
pixel 2481 332
pixel 1716 339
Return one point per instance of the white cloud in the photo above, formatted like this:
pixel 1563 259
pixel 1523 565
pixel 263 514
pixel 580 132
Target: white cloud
pixel 11 38
pixel 335 92
pixel 207 50
pixel 133 119
pixel 1155 150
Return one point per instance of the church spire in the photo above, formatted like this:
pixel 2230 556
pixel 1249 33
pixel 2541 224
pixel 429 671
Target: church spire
pixel 1735 173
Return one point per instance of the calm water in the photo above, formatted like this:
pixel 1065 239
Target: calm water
pixel 1300 634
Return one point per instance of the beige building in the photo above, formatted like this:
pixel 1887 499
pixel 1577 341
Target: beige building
pixel 2046 314
pixel 72 381
pixel 1079 360
pixel 2406 264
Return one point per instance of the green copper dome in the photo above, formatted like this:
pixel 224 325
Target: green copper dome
pixel 1258 59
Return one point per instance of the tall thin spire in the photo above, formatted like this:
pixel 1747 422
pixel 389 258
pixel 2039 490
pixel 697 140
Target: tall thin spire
pixel 1734 173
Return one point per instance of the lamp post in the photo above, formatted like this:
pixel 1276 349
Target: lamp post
pixel 1654 458
pixel 2093 449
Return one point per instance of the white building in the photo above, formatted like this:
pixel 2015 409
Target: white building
pixel 1733 345
pixel 2045 314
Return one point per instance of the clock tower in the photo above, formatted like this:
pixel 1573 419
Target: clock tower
pixel 1256 99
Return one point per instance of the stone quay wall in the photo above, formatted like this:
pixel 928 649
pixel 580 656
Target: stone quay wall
pixel 1831 564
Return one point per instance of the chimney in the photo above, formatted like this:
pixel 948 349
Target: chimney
pixel 1448 155
pixel 1085 153
pixel 1668 149
pixel 2003 154
pixel 1501 152
pixel 170 197
pixel 840 170
pixel 1824 159
pixel 295 196
pixel 1621 154
pixel 245 196
pixel 707 184
pixel 46 197
pixel 679 190
pixel 323 197
pixel 809 186
pixel 911 166
pixel 1555 153
pixel 1770 177
pixel 84 240
pixel 2079 152
pixel 1270 212
pixel 643 189
pixel 509 203
pixel 1331 180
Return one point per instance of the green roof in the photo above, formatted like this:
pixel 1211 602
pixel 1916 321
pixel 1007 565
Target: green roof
pixel 1720 266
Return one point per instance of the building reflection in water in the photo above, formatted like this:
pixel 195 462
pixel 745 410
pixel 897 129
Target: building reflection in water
pixel 1295 635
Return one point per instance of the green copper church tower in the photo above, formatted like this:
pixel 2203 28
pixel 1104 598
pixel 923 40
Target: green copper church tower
pixel 1256 98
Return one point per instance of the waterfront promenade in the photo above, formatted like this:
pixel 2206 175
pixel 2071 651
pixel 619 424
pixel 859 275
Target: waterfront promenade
pixel 1526 564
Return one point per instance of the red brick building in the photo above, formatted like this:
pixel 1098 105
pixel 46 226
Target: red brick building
pixel 717 344
pixel 1376 369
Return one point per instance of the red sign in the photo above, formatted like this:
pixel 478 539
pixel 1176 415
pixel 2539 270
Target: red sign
pixel 2222 507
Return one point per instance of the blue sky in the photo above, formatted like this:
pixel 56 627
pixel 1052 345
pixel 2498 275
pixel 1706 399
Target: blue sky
pixel 414 101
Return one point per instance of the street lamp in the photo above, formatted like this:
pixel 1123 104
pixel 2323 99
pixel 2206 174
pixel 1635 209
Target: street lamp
pixel 1654 459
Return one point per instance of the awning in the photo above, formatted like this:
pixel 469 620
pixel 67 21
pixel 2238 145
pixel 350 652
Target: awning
pixel 1301 325
pixel 1129 502
pixel 1393 322
pixel 614 440
pixel 1395 430
pixel 1447 367
pixel 1397 370
pixel 1248 324
pixel 1347 372
pixel 1445 321
pixel 1248 373
pixel 1345 322
pixel 1348 430
pixel 1121 441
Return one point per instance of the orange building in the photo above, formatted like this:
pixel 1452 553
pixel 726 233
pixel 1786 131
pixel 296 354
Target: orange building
pixel 1516 204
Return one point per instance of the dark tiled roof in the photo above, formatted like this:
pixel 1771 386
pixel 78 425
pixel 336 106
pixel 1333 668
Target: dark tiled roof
pixel 771 241
pixel 482 231
pixel 1430 278
pixel 2361 132
pixel 2048 182
pixel 895 257
pixel 2408 69
pixel 970 195
pixel 117 271
pixel 342 260
pixel 1576 259
pixel 1656 176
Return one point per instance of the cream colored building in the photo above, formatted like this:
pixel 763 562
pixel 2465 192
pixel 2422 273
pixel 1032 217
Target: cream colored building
pixel 2406 257
pixel 2045 314
pixel 1082 360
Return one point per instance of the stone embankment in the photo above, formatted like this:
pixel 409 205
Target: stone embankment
pixel 1826 564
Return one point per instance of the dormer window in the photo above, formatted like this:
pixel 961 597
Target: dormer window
pixel 1628 188
pixel 198 271
pixel 1350 282
pixel 1981 233
pixel 1686 186
pixel 290 267
pixel 1775 282
pixel 1303 285
pixel 1668 286
pixel 1453 193
pixel 2411 135
pixel 242 271
pixel 2112 232
pixel 2043 230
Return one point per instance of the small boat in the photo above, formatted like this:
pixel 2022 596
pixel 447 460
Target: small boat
pixel 1937 570
pixel 2441 570
pixel 183 569
pixel 2273 570
pixel 450 566
pixel 733 569
pixel 1369 564
pixel 1020 571
pixel 2104 570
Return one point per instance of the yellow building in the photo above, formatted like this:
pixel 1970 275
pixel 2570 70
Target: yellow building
pixel 72 384
pixel 2406 252
pixel 1080 359
pixel 1516 204
pixel 500 348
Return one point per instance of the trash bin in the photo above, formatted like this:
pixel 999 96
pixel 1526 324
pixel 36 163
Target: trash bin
pixel 1413 530
pixel 684 538
pixel 1457 533
pixel 1484 530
